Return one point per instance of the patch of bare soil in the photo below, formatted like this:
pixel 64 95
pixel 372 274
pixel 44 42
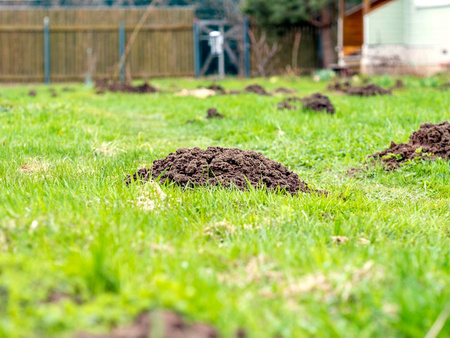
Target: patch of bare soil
pixel 32 93
pixel 339 86
pixel 398 84
pixel 256 89
pixel 283 90
pixel 228 167
pixel 318 102
pixel 159 324
pixel 56 297
pixel 104 85
pixel 431 141
pixel 286 105
pixel 217 88
pixel 445 86
pixel 214 114
pixel 368 90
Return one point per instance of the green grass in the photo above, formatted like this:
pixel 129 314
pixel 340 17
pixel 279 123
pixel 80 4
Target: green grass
pixel 254 260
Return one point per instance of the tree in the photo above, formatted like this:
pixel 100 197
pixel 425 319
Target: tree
pixel 276 15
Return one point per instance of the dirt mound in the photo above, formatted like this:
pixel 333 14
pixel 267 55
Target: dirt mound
pixel 167 324
pixel 257 89
pixel 445 86
pixel 318 102
pixel 217 88
pixel 222 166
pixel 32 93
pixel 285 105
pixel 431 141
pixel 339 86
pixel 214 114
pixel 103 85
pixel 283 90
pixel 294 99
pixel 368 90
pixel 398 84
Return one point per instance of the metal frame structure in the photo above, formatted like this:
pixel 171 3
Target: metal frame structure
pixel 231 31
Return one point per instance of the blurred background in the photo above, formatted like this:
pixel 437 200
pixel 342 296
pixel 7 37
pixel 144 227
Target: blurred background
pixel 75 40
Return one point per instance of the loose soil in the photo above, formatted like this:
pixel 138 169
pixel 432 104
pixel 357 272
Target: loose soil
pixel 286 105
pixel 32 93
pixel 217 88
pixel 431 141
pixel 318 102
pixel 107 85
pixel 218 166
pixel 445 86
pixel 257 89
pixel 214 114
pixel 339 86
pixel 368 90
pixel 164 324
pixel 283 90
pixel 398 84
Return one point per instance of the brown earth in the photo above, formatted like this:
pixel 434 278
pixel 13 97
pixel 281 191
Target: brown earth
pixel 294 99
pixel 103 85
pixel 398 84
pixel 257 89
pixel 339 86
pixel 431 141
pixel 318 102
pixel 286 105
pixel 217 88
pixel 160 324
pixel 445 86
pixel 32 93
pixel 218 166
pixel 368 90
pixel 283 90
pixel 213 113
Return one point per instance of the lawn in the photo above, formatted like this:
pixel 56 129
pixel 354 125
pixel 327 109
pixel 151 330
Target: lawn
pixel 81 251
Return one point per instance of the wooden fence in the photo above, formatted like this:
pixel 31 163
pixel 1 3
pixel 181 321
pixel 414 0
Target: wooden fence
pixel 164 47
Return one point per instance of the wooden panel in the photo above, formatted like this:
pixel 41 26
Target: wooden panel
pixel 354 28
pixel 164 46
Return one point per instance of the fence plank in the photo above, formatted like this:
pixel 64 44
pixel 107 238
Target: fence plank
pixel 163 47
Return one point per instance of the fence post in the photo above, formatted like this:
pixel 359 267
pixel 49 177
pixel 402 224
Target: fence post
pixel 196 49
pixel 122 50
pixel 246 50
pixel 47 50
pixel 319 48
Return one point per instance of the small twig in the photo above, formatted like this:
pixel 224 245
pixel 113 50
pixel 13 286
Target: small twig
pixel 134 34
pixel 298 37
